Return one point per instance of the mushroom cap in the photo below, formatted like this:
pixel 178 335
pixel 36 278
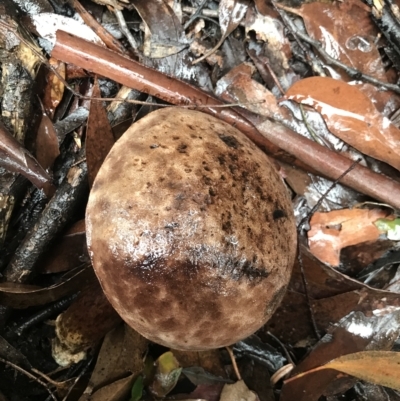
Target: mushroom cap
pixel 191 231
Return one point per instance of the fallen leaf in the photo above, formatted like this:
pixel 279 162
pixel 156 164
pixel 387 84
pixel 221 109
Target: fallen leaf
pixel 68 253
pixel 231 13
pixel 378 367
pixel 239 86
pixel 238 392
pixel 21 296
pixel 116 391
pixel 332 231
pixel 166 375
pixel 121 353
pixel 47 24
pixel 14 157
pixel 99 135
pixel 351 116
pixel 313 376
pixel 347 33
pixel 137 389
pixel 47 146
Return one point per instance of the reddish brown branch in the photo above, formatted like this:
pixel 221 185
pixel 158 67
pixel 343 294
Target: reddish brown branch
pixel 274 138
pixel 104 35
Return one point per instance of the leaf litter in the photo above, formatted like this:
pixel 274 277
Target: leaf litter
pixel 339 320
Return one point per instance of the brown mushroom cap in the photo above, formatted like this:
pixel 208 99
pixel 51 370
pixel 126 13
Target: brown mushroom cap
pixel 190 230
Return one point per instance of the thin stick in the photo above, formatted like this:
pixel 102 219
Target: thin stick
pixel 30 375
pixel 234 364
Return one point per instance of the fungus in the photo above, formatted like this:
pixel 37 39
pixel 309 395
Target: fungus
pixel 190 230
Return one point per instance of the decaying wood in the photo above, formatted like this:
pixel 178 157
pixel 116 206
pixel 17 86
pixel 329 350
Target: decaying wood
pixel 274 137
pixel 58 213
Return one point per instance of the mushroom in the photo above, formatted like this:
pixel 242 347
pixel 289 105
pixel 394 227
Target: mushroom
pixel 190 230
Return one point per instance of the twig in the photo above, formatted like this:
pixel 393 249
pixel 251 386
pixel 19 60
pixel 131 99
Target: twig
pixel 84 370
pixel 30 375
pixel 104 35
pixel 195 14
pixel 46 313
pixel 234 364
pixel 125 30
pixel 299 254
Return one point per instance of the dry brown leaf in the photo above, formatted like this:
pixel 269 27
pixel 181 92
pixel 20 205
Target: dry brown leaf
pixel 116 391
pixel 21 296
pixel 121 353
pixel 355 333
pixel 47 146
pixel 332 231
pixel 351 116
pixel 238 392
pixel 237 85
pixel 378 367
pixel 99 135
pixel 69 252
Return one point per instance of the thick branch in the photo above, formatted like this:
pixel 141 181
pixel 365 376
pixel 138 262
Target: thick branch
pixel 274 137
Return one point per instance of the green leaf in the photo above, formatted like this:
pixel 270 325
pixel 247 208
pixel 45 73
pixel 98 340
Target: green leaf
pixel 390 227
pixel 137 389
pixel 166 376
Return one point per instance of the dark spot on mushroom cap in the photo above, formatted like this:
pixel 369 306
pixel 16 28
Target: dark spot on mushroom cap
pixel 191 260
pixel 278 214
pixel 229 140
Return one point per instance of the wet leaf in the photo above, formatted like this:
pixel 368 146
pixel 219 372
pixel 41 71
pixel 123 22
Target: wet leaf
pixel 47 24
pixel 116 391
pixel 206 361
pixel 99 135
pixel 47 146
pixel 351 116
pixel 231 13
pixel 332 294
pixel 83 325
pixel 164 35
pixel 14 157
pixel 277 49
pixel 198 375
pixel 332 231
pixel 166 376
pixel 347 33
